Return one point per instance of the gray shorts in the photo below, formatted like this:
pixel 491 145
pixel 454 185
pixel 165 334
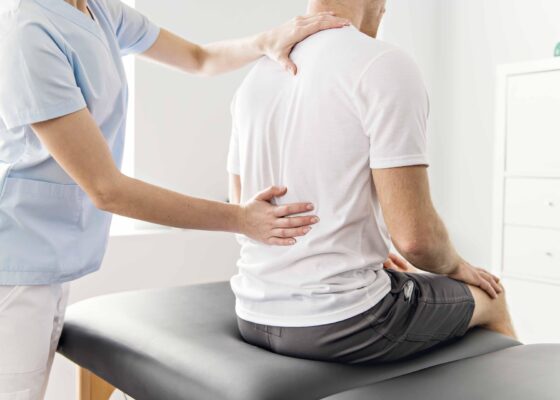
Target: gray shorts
pixel 420 312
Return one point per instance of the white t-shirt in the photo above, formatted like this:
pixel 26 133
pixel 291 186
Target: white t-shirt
pixel 356 103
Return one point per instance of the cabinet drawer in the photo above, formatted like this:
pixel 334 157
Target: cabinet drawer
pixel 533 123
pixel 532 253
pixel 533 202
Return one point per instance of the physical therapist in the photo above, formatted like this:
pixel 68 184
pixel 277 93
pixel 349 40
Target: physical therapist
pixel 63 101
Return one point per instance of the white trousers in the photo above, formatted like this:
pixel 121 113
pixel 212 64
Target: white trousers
pixel 31 319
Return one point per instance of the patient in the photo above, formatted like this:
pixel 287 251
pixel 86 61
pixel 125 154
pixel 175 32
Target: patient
pixel 348 134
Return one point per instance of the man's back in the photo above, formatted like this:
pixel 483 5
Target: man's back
pixel 319 134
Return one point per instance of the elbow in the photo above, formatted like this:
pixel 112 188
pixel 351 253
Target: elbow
pixel 416 247
pixel 104 196
pixel 201 64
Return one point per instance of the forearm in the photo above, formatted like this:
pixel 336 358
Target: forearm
pixel 416 228
pixel 229 55
pixel 441 258
pixel 139 200
pixel 88 160
pixel 433 250
pixel 224 56
pixel 211 59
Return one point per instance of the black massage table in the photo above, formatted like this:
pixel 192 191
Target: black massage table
pixel 182 343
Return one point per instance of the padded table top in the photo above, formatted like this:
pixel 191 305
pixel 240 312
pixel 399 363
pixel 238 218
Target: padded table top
pixel 182 343
pixel 516 373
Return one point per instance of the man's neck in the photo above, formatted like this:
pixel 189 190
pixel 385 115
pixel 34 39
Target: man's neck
pixel 79 4
pixel 357 15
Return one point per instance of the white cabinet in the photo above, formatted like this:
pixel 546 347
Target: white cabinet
pixel 533 122
pixel 527 196
pixel 532 253
pixel 532 202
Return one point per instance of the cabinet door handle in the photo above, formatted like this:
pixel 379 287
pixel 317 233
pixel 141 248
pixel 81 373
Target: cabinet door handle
pixel 550 203
pixel 549 254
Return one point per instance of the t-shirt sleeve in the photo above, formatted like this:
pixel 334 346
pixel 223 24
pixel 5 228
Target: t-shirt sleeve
pixel 135 32
pixel 233 160
pixel 37 81
pixel 393 105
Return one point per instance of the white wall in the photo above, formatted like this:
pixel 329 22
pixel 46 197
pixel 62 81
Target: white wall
pixel 183 122
pixel 458 45
pixel 414 26
pixel 474 37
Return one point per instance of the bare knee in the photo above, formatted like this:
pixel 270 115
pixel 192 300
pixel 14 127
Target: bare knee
pixel 491 313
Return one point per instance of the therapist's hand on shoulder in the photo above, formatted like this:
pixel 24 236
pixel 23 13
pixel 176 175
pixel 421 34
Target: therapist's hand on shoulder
pixel 228 55
pixel 279 42
pixel 275 225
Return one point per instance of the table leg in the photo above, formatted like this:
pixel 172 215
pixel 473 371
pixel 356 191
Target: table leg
pixel 92 387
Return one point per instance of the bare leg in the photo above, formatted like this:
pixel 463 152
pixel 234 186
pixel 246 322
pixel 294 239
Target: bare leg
pixel 491 314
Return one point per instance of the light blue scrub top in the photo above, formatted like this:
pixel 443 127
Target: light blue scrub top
pixel 55 60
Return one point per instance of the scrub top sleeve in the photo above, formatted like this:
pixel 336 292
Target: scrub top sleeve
pixel 37 81
pixel 394 106
pixel 135 33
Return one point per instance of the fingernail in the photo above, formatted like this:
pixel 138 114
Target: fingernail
pixel 310 207
pixel 307 229
pixel 292 242
pixel 315 220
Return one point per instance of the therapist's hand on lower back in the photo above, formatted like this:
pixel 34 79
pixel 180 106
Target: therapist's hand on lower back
pixel 275 225
pixel 88 160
